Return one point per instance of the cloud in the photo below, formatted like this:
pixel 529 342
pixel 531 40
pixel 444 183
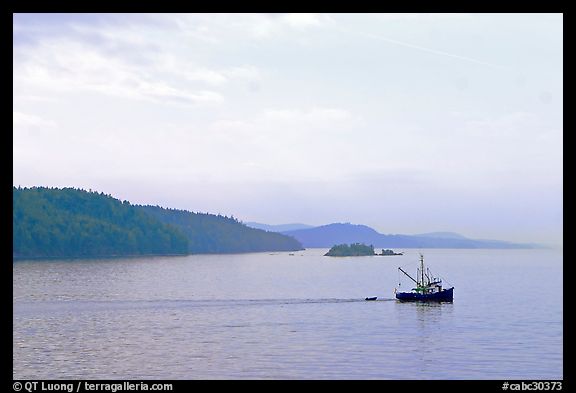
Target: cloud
pixel 221 76
pixel 222 28
pixel 287 143
pixel 316 116
pixel 302 21
pixel 66 65
pixel 495 152
pixel 20 119
pixel 419 17
pixel 130 60
pixel 268 26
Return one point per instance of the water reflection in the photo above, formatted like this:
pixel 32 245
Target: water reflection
pixel 426 311
pixel 429 324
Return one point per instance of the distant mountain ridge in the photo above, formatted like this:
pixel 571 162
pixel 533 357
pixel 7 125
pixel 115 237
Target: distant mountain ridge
pixel 442 235
pixel 346 233
pixel 278 228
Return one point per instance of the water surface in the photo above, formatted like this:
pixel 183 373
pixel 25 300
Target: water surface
pixel 282 316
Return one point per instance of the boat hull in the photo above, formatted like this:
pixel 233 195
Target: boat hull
pixel 446 295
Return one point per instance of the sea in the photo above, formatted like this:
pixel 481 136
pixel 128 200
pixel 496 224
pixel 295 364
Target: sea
pixel 289 315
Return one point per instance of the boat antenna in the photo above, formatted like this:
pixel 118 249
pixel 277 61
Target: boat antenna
pixel 428 274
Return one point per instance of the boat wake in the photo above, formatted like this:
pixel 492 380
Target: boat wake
pixel 52 306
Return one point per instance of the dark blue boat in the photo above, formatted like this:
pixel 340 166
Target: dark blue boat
pixel 445 295
pixel 428 288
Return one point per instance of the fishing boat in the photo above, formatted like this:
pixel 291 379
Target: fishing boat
pixel 428 288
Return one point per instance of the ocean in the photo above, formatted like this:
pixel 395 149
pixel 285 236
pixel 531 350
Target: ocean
pixel 281 315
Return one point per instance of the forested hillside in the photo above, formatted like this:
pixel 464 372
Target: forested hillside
pixel 52 222
pixel 68 222
pixel 208 233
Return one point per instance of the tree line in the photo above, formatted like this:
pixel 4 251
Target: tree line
pixel 209 233
pixel 354 249
pixel 70 222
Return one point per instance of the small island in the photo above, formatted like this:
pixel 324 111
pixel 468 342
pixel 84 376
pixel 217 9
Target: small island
pixel 352 250
pixel 390 252
pixel 357 250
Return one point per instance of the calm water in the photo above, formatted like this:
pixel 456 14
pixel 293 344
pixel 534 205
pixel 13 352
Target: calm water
pixel 281 316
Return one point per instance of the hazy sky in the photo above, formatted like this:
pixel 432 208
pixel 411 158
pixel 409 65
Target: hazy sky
pixel 408 123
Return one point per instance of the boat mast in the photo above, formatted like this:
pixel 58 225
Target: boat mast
pixel 422 267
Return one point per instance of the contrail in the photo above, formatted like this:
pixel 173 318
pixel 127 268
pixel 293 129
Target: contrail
pixel 421 48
